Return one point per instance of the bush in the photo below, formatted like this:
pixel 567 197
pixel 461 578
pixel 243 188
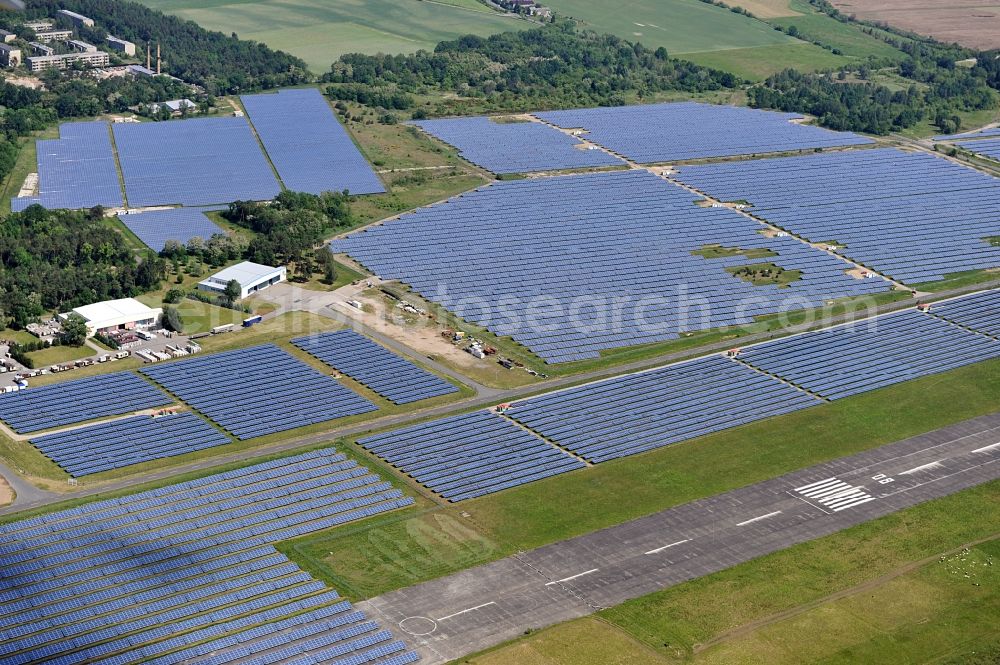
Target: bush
pixel 174 296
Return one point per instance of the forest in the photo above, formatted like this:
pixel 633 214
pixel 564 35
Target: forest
pixel 222 64
pixel 555 66
pixel 54 260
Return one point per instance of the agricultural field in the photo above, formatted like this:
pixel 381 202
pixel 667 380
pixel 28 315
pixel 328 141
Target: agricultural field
pixel 909 587
pixel 320 31
pixel 974 24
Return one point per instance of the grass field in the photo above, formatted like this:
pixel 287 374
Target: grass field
pixel 894 590
pixel 420 546
pixel 759 62
pixel 320 31
pixel 60 354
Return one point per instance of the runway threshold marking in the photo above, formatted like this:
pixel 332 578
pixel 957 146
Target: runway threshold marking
pixel 758 518
pixel 665 547
pixel 471 609
pixel 573 577
pixel 835 494
pixel 922 467
pixel 985 448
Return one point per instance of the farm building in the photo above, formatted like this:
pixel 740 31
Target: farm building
pixel 122 314
pixel 252 277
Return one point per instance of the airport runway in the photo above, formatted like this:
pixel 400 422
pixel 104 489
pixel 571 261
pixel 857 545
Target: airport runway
pixel 481 607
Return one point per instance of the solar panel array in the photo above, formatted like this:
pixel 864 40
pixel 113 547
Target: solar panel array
pixel 77 170
pixel 155 227
pixel 188 573
pixel 466 456
pixel 258 391
pixel 59 404
pixel 307 144
pixel 203 161
pixel 639 412
pixel 396 379
pixel 912 216
pixel 515 147
pixel 851 359
pixel 983 133
pixel 655 133
pixel 985 147
pixel 570 266
pixel 980 312
pixel 128 441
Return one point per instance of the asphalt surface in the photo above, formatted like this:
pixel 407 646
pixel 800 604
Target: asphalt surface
pixel 481 607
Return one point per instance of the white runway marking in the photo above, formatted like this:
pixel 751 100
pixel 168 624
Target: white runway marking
pixel 573 577
pixel 922 467
pixel 835 494
pixel 471 609
pixel 759 518
pixel 985 448
pixel 660 549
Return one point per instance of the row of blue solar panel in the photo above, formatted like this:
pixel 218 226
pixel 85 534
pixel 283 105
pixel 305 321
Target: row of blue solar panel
pixel 188 563
pixel 982 133
pixel 258 390
pixel 515 147
pixel 470 455
pixel 850 359
pixel 593 262
pixel 657 133
pixel 156 227
pixel 989 147
pixel 128 441
pixel 77 170
pixel 912 216
pixel 47 407
pixel 310 149
pixel 979 312
pixel 396 379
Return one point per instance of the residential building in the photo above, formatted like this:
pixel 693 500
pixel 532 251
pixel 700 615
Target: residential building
pixel 7 36
pixel 79 19
pixel 121 45
pixel 48 36
pixel 10 56
pixel 82 47
pixel 42 62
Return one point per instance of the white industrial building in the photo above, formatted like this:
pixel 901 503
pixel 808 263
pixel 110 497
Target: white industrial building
pixel 252 277
pixel 122 314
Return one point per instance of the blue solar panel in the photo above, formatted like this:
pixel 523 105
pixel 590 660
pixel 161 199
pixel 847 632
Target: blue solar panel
pixel 851 359
pixel 979 312
pixel 986 147
pixel 909 215
pixel 128 441
pixel 574 265
pixel 680 131
pixel 470 455
pixel 982 133
pixel 77 170
pixel 307 145
pixel 639 412
pixel 516 147
pixel 258 391
pixel 156 227
pixel 396 379
pixel 188 572
pixel 204 161
pixel 46 407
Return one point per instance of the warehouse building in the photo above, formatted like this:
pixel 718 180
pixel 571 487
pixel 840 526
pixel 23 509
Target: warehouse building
pixel 94 59
pixel 121 45
pixel 252 277
pixel 79 19
pixel 10 56
pixel 122 314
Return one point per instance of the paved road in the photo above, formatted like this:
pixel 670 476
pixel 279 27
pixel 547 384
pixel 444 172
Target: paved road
pixel 475 609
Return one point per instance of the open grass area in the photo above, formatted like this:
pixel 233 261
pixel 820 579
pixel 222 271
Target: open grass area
pixel 55 355
pixel 27 162
pixel 893 590
pixel 320 31
pixel 721 252
pixel 757 63
pixel 765 274
pixel 19 336
pixel 614 492
pixel 848 38
pixel 412 189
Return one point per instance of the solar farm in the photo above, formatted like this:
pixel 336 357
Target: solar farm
pixel 986 147
pixel 909 215
pixel 396 379
pixel 515 147
pixel 60 404
pixel 660 133
pixel 120 443
pixel 462 457
pixel 553 292
pixel 155 228
pixel 189 571
pixel 307 144
pixel 258 391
